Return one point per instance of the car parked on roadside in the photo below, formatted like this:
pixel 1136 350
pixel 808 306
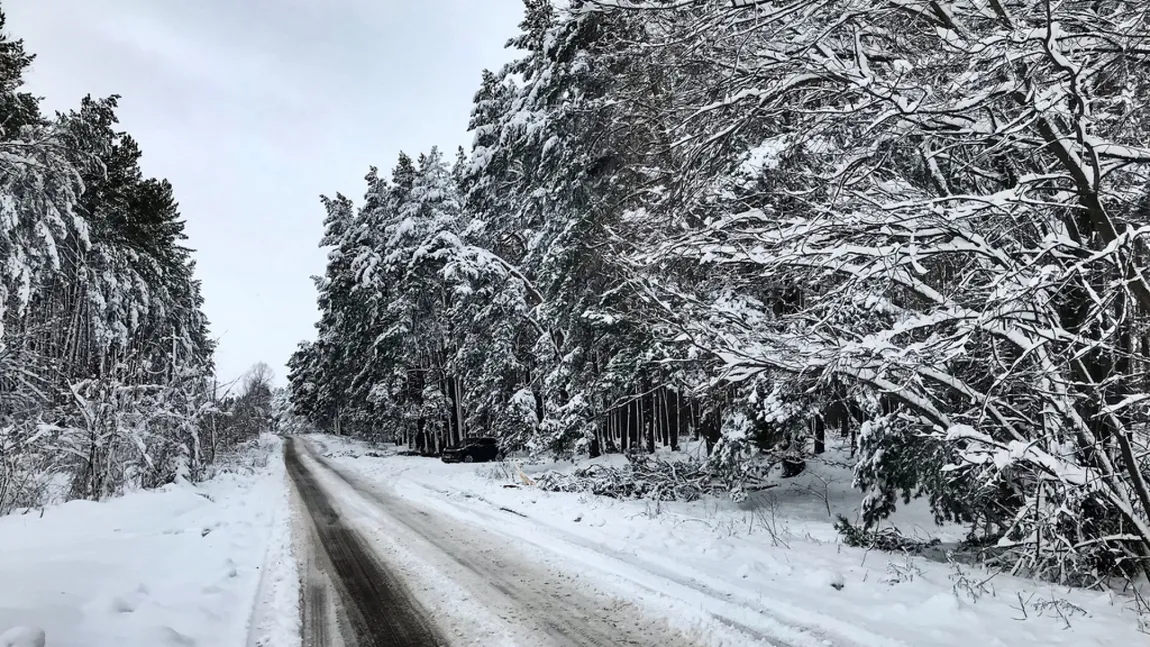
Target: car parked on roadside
pixel 473 450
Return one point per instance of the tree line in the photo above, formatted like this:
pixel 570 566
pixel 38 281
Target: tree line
pixel 106 373
pixel 919 223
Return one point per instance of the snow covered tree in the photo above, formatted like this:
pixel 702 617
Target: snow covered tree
pixel 105 356
pixel 922 224
pixel 955 198
pixel 286 421
pixel 385 347
pixel 17 109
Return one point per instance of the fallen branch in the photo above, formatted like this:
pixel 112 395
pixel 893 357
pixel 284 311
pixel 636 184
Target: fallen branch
pixel 646 477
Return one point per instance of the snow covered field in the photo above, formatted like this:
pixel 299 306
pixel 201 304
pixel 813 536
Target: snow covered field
pixel 180 566
pixel 770 570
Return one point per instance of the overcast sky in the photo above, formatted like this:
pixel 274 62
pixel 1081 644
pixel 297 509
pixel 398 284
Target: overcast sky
pixel 253 108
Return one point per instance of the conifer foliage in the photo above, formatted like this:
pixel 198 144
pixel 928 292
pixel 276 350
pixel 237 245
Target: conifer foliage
pixel 922 225
pixel 105 358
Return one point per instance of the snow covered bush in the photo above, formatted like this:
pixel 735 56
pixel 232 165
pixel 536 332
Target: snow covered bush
pixel 131 436
pixel 886 539
pixel 28 466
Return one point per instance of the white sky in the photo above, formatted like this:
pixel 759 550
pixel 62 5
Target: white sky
pixel 253 108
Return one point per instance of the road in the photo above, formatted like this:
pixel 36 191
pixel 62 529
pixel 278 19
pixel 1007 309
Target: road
pixel 357 593
pixel 374 609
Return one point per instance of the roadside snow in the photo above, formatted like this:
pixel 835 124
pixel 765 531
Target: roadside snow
pixel 276 620
pixel 178 566
pixel 772 568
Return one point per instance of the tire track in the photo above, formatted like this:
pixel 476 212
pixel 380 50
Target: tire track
pixel 561 612
pixel 378 609
pixel 315 615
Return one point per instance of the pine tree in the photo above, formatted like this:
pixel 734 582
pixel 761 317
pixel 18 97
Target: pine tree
pixel 105 355
pixel 763 224
pixel 17 109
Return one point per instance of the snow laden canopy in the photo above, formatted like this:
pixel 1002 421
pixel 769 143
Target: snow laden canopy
pixel 920 224
pixel 105 359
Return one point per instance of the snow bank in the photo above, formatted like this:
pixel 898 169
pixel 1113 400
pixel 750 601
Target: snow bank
pixel 177 566
pixel 276 620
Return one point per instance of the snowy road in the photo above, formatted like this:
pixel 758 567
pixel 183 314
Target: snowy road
pixel 373 556
pixel 402 550
pixel 497 561
pixel 373 609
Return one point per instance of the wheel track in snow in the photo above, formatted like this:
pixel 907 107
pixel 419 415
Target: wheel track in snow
pixel 771 627
pixel 376 608
pixel 544 600
pixel 812 633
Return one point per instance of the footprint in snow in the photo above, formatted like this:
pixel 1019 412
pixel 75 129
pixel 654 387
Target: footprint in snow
pixel 129 602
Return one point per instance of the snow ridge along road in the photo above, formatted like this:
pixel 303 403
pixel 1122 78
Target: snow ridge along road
pixel 376 608
pixel 483 591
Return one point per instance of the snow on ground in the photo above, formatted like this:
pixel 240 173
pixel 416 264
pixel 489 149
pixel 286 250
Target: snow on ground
pixel 480 593
pixel 772 565
pixel 180 566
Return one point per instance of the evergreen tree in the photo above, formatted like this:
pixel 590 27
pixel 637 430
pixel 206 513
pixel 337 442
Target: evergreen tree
pixel 763 225
pixel 17 109
pixel 105 355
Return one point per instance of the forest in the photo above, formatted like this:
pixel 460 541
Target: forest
pixel 914 228
pixel 106 374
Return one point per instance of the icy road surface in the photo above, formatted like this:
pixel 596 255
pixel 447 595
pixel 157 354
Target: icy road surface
pixel 719 573
pixel 376 608
pixel 375 562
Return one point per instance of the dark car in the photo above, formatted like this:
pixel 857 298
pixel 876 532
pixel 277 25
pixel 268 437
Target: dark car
pixel 473 450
